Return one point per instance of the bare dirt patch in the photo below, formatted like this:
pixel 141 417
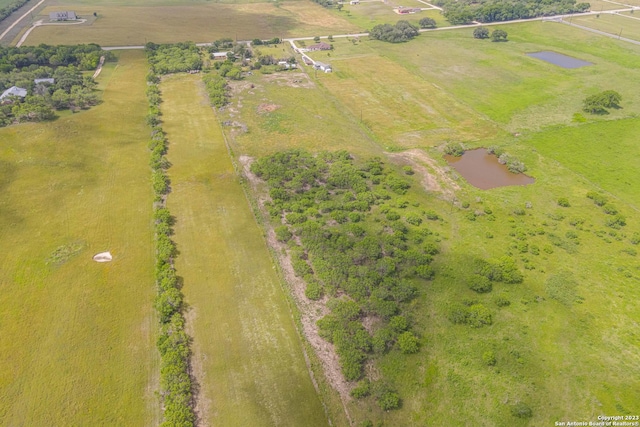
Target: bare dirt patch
pixel 310 311
pixel 267 108
pixel 435 178
pixel 291 79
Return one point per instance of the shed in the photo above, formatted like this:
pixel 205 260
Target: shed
pixel 322 67
pixel 49 80
pixel 63 16
pixel 221 55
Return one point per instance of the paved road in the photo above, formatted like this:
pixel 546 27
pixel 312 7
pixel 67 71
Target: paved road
pixel 20 19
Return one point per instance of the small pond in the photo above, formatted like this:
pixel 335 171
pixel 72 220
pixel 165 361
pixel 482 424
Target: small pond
pixel 482 170
pixel 559 59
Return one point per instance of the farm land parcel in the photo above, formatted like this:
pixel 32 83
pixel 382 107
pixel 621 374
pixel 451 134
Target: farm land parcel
pixel 78 338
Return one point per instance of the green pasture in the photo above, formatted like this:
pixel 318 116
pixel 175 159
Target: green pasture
pixel 567 351
pixel 118 25
pixel 78 337
pixel 366 15
pixel 400 107
pixel 519 93
pixel 627 26
pixel 247 355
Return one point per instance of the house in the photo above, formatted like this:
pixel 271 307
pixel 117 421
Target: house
pixel 49 80
pixel 322 67
pixel 63 16
pixel 354 2
pixel 286 65
pixel 5 98
pixel 221 55
pixel 401 10
pixel 320 46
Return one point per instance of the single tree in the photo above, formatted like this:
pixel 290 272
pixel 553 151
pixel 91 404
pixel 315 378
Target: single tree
pixel 427 23
pixel 481 33
pixel 316 39
pixel 499 36
pixel 598 103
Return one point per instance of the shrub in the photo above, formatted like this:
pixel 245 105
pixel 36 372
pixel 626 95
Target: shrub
pixel 479 316
pixel 480 284
pixel 564 202
pixel 313 291
pixel 597 198
pixel 481 33
pixel 408 343
pixel 489 358
pixel 386 398
pixel 502 301
pixel 432 215
pixel 283 234
pixel 616 222
pixel 635 238
pixel 363 389
pixel 609 209
pixel 521 410
pixel 454 149
pixel 414 219
pixel 408 170
pixel 427 23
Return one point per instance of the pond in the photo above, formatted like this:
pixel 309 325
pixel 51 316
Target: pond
pixel 482 170
pixel 559 59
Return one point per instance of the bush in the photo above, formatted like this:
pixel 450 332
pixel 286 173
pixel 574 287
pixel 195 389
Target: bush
pixel 502 301
pixel 489 358
pixel 481 33
pixel 480 284
pixel 387 399
pixel 313 291
pixel 408 170
pixel 283 234
pixel 363 389
pixel 609 209
pixel 414 219
pixel 427 23
pixel 478 316
pixel 454 149
pixel 408 343
pixel 597 198
pixel 564 202
pixel 521 410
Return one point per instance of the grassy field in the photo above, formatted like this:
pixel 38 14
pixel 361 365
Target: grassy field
pixel 77 342
pixel 567 351
pixel 199 22
pixel 627 26
pixel 247 355
pixel 366 15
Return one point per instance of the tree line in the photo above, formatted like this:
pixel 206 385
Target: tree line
pixel 176 384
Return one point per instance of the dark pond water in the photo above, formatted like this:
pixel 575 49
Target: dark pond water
pixel 559 59
pixel 482 170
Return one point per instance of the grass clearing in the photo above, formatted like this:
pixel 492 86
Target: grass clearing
pixel 77 346
pixel 119 25
pixel 627 26
pixel 246 352
pixel 367 15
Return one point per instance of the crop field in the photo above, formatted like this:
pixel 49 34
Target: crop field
pixel 566 343
pixel 366 15
pixel 247 354
pixel 119 25
pixel 78 337
pixel 627 26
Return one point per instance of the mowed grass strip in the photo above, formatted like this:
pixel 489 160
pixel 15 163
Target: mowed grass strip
pixel 247 355
pixel 77 341
pixel 118 25
pixel 627 26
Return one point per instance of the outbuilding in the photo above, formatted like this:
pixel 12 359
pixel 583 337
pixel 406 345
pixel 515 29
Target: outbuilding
pixel 12 91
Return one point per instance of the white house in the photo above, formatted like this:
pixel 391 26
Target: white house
pixel 322 67
pixel 13 91
pixel 221 55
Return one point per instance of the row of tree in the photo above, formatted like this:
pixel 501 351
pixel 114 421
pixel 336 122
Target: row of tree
pixel 10 8
pixel 176 384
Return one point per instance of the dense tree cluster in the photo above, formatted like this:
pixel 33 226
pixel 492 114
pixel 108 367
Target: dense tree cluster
pixel 401 32
pixel 70 89
pixel 176 385
pixel 361 245
pixel 173 58
pixel 467 11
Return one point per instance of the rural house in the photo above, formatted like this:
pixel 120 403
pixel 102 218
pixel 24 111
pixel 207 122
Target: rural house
pixel 322 67
pixel 221 55
pixel 63 16
pixel 320 46
pixel 5 98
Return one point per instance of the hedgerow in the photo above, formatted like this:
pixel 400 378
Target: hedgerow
pixel 176 384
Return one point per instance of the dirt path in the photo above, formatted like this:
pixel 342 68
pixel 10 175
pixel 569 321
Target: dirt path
pixel 99 69
pixel 310 311
pixel 435 178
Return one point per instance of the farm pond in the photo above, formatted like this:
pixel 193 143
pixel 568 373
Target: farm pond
pixel 559 59
pixel 482 170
